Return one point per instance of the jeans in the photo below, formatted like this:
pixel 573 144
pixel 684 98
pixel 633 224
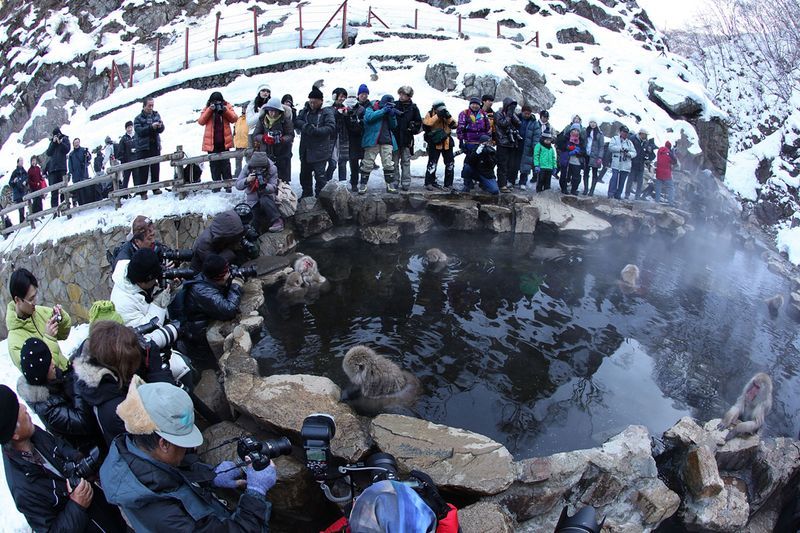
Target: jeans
pixel 670 185
pixel 617 183
pixel 433 162
pixel 470 175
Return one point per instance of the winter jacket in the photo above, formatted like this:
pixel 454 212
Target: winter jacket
pixel 354 119
pixel 316 129
pixel 126 149
pixel 36 181
pixel 595 151
pixel 19 184
pixel 570 153
pixel 507 125
pixel 207 119
pixel 147 138
pixel 99 163
pixel 64 413
pixel 282 129
pixel 665 159
pixel 644 154
pixel 531 132
pixel 620 160
pixel 99 388
pixel 544 157
pixel 220 237
pixel 78 164
pixel 241 133
pixel 483 160
pixel 157 497
pixel 134 304
pixel 472 125
pixel 409 123
pixel 432 122
pixel 252 195
pixel 252 113
pixel 57 154
pixel 376 121
pixel 20 330
pixel 206 301
pixel 341 138
pixel 41 495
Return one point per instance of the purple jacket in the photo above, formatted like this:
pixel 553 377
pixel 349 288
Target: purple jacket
pixel 472 125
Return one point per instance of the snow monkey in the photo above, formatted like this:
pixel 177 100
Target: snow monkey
pixel 774 304
pixel 374 376
pixel 308 269
pixel 436 259
pixel 630 275
pixel 751 408
pixel 293 289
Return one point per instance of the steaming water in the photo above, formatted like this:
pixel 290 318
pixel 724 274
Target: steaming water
pixel 535 345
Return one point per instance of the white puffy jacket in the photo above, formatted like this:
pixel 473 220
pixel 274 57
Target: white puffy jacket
pixel 620 160
pixel 129 299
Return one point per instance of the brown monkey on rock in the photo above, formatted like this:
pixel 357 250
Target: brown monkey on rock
pixel 751 408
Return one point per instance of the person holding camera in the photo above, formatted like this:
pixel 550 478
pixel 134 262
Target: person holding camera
pixel 126 152
pixel 57 153
pixel 19 185
pixel 354 120
pixel 622 153
pixel 380 121
pixel 509 142
pixel 438 125
pixel 479 166
pixel 78 163
pixel 274 135
pixel 473 123
pixel 259 177
pixel 136 294
pixel 141 235
pixel 409 123
pixel 41 475
pixel 25 319
pixel 225 236
pixel 159 486
pixel 148 128
pixel 217 118
pixel 316 125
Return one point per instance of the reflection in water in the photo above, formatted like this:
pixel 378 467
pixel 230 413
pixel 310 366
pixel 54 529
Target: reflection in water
pixel 535 345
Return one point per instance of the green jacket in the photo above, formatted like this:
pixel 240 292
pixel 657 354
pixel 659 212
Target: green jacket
pixel 21 330
pixel 544 158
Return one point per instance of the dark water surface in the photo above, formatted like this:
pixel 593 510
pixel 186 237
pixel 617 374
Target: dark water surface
pixel 535 345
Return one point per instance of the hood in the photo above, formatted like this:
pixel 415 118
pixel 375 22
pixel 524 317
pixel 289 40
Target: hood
pixel 507 102
pixel 94 383
pixel 226 225
pixel 15 322
pixel 32 393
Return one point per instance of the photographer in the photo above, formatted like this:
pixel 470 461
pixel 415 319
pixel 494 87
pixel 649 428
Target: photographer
pixel 354 120
pixel 260 178
pixel 79 160
pixel 380 120
pixel 148 129
pixel 479 166
pixel 35 463
pixel 509 142
pixel 274 135
pixel 217 118
pixel 437 124
pixel 136 294
pixel 57 153
pixel 125 152
pixel 25 319
pixel 225 237
pixel 622 154
pixel 104 368
pixel 409 123
pixel 141 235
pixel 159 487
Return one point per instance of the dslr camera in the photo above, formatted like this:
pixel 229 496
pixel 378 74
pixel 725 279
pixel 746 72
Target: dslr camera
pixel 261 451
pixel 244 272
pixel 218 107
pixel 177 255
pixel 169 274
pixel 625 155
pixel 74 471
pixel 444 114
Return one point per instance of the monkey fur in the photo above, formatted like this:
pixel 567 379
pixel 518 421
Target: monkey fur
pixel 630 275
pixel 774 304
pixel 309 271
pixel 293 289
pixel 376 377
pixel 747 415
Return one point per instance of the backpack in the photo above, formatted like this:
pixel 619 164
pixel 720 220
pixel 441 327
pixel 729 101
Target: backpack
pixel 285 199
pixel 435 136
pixel 177 308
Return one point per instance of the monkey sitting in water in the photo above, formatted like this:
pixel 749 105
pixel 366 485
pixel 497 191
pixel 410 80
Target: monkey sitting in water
pixel 293 291
pixel 751 408
pixel 435 259
pixel 376 381
pixel 630 276
pixel 309 271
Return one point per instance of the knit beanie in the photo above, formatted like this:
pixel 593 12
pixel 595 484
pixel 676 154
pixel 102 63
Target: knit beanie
pixel 315 93
pixel 104 310
pixel 144 266
pixel 34 361
pixel 274 103
pixel 474 100
pixel 387 99
pixel 215 267
pixel 363 88
pixel 288 98
pixel 339 90
pixel 407 90
pixel 438 105
pixel 9 412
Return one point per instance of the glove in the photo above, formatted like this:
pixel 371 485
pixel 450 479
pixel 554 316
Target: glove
pixel 268 139
pixel 430 494
pixel 227 475
pixel 537 169
pixel 261 480
pixel 575 152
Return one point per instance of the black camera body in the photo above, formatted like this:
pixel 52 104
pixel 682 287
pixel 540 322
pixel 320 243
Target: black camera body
pixel 74 471
pixel 250 248
pixel 444 114
pixel 261 451
pixel 244 272
pixel 177 255
pixel 169 274
pixel 218 107
pixel 317 431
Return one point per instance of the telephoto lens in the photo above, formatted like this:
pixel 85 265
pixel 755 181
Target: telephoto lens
pixel 261 451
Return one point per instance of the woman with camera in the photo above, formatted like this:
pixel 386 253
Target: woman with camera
pixel 274 135
pixel 217 118
pixel 438 125
pixel 259 177
pixel 105 366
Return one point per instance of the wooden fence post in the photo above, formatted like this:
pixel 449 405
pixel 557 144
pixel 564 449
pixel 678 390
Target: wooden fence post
pixel 498 29
pixel 344 25
pixel 111 73
pixel 255 30
pixel 300 14
pixel 130 78
pixel 416 19
pixel 186 50
pixel 459 24
pixel 369 17
pixel 216 34
pixel 158 55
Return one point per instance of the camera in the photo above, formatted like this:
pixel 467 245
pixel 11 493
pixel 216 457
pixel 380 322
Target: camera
pixel 75 471
pixel 444 114
pixel 251 249
pixel 583 521
pixel 179 256
pixel 251 233
pixel 261 451
pixel 262 178
pixel 244 272
pixel 218 106
pixel 153 333
pixel 171 273
pixel 317 431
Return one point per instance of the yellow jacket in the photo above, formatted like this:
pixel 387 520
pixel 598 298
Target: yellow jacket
pixel 433 122
pixel 19 330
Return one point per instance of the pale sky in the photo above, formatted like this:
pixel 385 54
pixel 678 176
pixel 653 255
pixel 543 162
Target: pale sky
pixel 672 14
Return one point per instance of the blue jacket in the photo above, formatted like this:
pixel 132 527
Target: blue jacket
pixel 146 138
pixel 157 497
pixel 79 164
pixel 374 121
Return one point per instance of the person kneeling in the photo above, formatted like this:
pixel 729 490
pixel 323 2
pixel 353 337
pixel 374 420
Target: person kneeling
pixel 160 487
pixel 259 177
pixel 37 473
pixel 479 166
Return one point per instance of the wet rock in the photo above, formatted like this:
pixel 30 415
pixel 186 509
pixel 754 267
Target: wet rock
pixel 574 35
pixel 456 459
pixel 213 435
pixel 701 474
pixel 236 358
pixel 525 218
pixel 411 223
pixel 417 201
pixel 388 233
pixel 727 511
pixel 712 137
pixel 738 453
pixel 281 403
pixel 335 198
pixel 369 209
pixel 441 76
pixel 252 296
pixel 485 517
pixel 455 214
pixel 496 218
pixel 311 218
pixel 281 243
pixel 210 391
pixel 567 219
pixel 776 463
pixel 339 232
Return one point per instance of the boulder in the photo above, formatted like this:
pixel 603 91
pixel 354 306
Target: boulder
pixel 441 76
pixel 335 198
pixel 210 391
pixel 574 35
pixel 596 13
pixel 369 209
pixel 213 436
pixel 533 85
pixel 412 223
pixel 526 217
pixel 776 463
pixel 477 86
pixel 564 218
pixel 712 137
pixel 456 459
pixel 339 232
pixel 683 106
pixel 700 473
pixel 455 214
pixel 236 358
pixel 281 243
pixel 282 402
pixel 485 517
pixel 310 218
pixel 388 233
pixel 727 511
pixel 496 218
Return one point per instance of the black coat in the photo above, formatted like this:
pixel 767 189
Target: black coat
pixel 221 237
pixel 206 301
pixel 41 495
pixel 316 129
pixel 64 413
pixel 57 154
pixel 354 120
pixel 409 123
pixel 79 160
pixel 147 138
pixel 126 149
pixel 644 152
pixel 484 162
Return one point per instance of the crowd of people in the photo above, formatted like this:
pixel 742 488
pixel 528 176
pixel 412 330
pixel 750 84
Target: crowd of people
pixel 504 148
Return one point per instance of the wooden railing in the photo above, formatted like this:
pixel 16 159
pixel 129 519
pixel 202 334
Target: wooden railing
pixel 181 184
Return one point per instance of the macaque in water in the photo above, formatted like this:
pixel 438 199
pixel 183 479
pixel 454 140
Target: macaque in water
pixel 293 289
pixel 374 377
pixel 774 304
pixel 751 408
pixel 630 276
pixel 435 259
pixel 308 270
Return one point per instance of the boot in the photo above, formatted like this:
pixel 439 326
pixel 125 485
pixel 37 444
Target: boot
pixel 391 186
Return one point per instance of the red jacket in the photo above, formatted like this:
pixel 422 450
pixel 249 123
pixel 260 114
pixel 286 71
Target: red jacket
pixel 35 180
pixel 665 158
pixel 229 117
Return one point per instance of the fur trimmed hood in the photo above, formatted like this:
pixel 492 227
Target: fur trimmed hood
pixel 32 393
pixel 88 372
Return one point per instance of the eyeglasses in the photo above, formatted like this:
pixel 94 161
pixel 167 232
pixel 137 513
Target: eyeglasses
pixel 32 301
